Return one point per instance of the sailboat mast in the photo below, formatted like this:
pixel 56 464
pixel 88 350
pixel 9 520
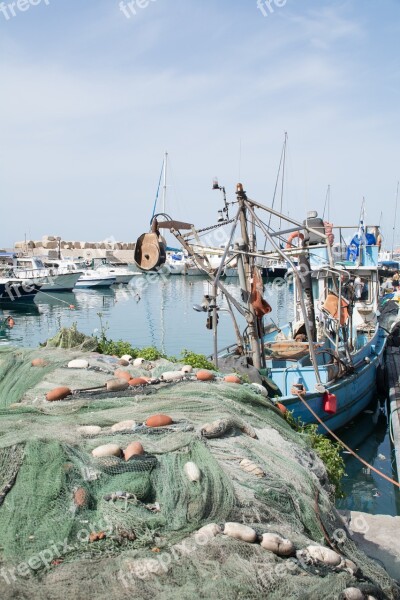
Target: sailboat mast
pixel 395 218
pixel 165 181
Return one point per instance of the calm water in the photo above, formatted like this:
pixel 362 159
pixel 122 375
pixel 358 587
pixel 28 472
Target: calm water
pixel 161 313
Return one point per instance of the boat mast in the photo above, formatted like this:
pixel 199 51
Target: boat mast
pixel 395 217
pixel 165 181
pixel 252 319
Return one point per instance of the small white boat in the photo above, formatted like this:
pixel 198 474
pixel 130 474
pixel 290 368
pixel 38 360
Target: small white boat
pixel 122 274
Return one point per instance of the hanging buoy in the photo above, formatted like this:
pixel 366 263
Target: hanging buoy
pixel 134 449
pixel 120 374
pixel 330 403
pixel 232 379
pixel 158 421
pixel 205 375
pixel 58 393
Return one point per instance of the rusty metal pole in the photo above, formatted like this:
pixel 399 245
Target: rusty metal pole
pixel 251 319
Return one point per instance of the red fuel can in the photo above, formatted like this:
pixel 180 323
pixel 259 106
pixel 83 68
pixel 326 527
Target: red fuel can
pixel 330 403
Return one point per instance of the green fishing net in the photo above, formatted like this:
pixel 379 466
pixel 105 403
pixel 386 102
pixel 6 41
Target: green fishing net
pixel 76 526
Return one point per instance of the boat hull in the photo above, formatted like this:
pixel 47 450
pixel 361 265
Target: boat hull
pixel 353 392
pixel 61 283
pixel 13 292
pixel 95 283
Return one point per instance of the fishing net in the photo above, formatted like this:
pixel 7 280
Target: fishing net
pixel 76 526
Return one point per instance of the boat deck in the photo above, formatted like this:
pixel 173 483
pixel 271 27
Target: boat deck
pixel 393 370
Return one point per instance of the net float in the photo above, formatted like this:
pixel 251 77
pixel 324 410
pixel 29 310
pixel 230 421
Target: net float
pixel 172 376
pixel 187 369
pixel 192 471
pixel 277 544
pixel 260 388
pixel 127 358
pixel 208 531
pixel 39 362
pixel 120 374
pixel 353 593
pixel 106 450
pixel 205 375
pixel 281 407
pixel 123 363
pixel 324 555
pixel 89 430
pixel 250 467
pixel 80 497
pixel 58 393
pixel 158 421
pixel 78 363
pixel 138 362
pixel 117 385
pixel 137 381
pixel 232 379
pixel 123 426
pixel 240 532
pixel 134 449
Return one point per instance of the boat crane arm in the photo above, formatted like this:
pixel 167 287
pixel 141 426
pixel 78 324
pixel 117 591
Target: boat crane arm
pixel 298 282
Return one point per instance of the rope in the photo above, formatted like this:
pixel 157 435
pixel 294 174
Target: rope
pixel 364 462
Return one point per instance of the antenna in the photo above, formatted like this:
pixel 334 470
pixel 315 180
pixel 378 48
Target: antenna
pixel 165 180
pixel 395 217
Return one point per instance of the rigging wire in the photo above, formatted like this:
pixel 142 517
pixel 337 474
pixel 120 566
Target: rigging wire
pixel 158 191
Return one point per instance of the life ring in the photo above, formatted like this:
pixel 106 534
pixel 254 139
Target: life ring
pixel 292 236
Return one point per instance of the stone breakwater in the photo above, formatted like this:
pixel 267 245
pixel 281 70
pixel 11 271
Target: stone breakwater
pixel 50 246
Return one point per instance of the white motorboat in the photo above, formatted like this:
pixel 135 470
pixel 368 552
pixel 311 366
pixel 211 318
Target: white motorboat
pixel 31 269
pixel 122 273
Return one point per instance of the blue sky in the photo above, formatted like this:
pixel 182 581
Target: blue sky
pixel 90 100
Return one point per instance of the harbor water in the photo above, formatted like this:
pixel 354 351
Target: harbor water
pixel 158 311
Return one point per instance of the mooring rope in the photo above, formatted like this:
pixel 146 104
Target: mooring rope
pixel 364 462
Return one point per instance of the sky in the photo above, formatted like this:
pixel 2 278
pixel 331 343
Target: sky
pixel 93 93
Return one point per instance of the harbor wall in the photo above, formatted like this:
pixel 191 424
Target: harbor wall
pixel 51 245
